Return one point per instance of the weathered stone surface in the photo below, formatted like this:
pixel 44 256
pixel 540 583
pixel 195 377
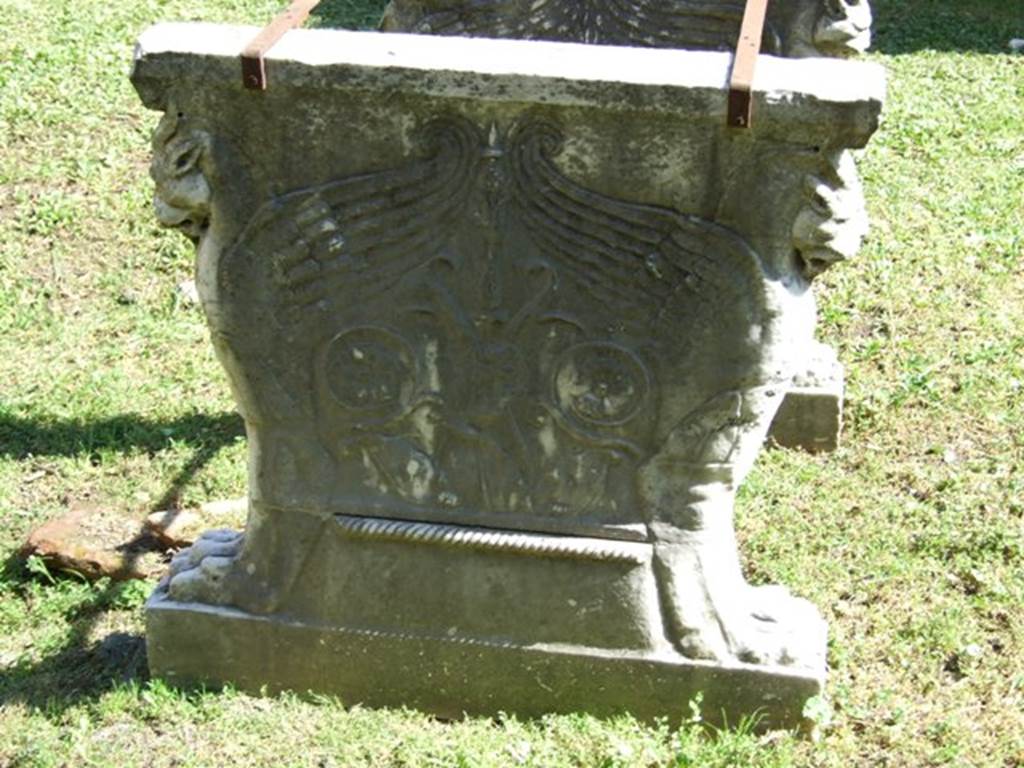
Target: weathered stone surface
pixel 829 231
pixel 96 543
pixel 794 28
pixel 508 322
pixel 454 677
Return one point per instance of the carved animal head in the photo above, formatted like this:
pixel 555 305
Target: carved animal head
pixel 831 28
pixel 833 220
pixel 182 195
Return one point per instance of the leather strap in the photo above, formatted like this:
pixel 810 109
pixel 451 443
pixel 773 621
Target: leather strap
pixel 254 70
pixel 741 83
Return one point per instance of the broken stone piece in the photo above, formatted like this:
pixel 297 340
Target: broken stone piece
pixel 810 417
pixel 96 543
pixel 186 293
pixel 179 528
pixel 176 528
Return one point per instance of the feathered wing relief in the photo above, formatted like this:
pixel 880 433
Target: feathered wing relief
pixel 644 259
pixel 359 236
pixel 485 339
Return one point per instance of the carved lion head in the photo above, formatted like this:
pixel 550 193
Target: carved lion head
pixel 833 220
pixel 182 195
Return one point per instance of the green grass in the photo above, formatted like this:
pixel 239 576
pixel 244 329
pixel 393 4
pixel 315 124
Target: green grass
pixel 909 538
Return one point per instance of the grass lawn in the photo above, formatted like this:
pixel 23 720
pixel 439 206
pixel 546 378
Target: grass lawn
pixel 909 538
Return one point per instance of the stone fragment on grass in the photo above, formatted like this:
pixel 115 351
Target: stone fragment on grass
pixel 811 416
pixel 187 293
pixel 96 543
pixel 177 528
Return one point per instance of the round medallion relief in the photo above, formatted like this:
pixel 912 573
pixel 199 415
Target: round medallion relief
pixel 601 383
pixel 370 369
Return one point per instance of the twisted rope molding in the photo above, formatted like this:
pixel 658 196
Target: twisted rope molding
pixel 490 540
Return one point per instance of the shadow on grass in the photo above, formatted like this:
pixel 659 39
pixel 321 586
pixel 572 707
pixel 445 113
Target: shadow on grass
pixel 80 672
pixel 22 437
pixel 981 26
pixel 83 669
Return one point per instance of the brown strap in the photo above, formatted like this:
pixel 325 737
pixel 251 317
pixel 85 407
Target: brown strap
pixel 254 71
pixel 741 84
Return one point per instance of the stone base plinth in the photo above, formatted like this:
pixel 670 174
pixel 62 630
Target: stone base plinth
pixel 191 644
pixel 454 619
pixel 810 417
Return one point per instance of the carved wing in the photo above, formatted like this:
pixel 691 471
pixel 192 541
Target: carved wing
pixel 307 258
pixel 352 239
pixel 660 261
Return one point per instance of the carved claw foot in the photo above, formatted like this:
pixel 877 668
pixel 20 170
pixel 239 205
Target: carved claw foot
pixel 713 614
pixel 197 574
pixel 777 628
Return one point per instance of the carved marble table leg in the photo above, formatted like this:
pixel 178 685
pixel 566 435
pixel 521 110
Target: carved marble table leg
pixel 508 323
